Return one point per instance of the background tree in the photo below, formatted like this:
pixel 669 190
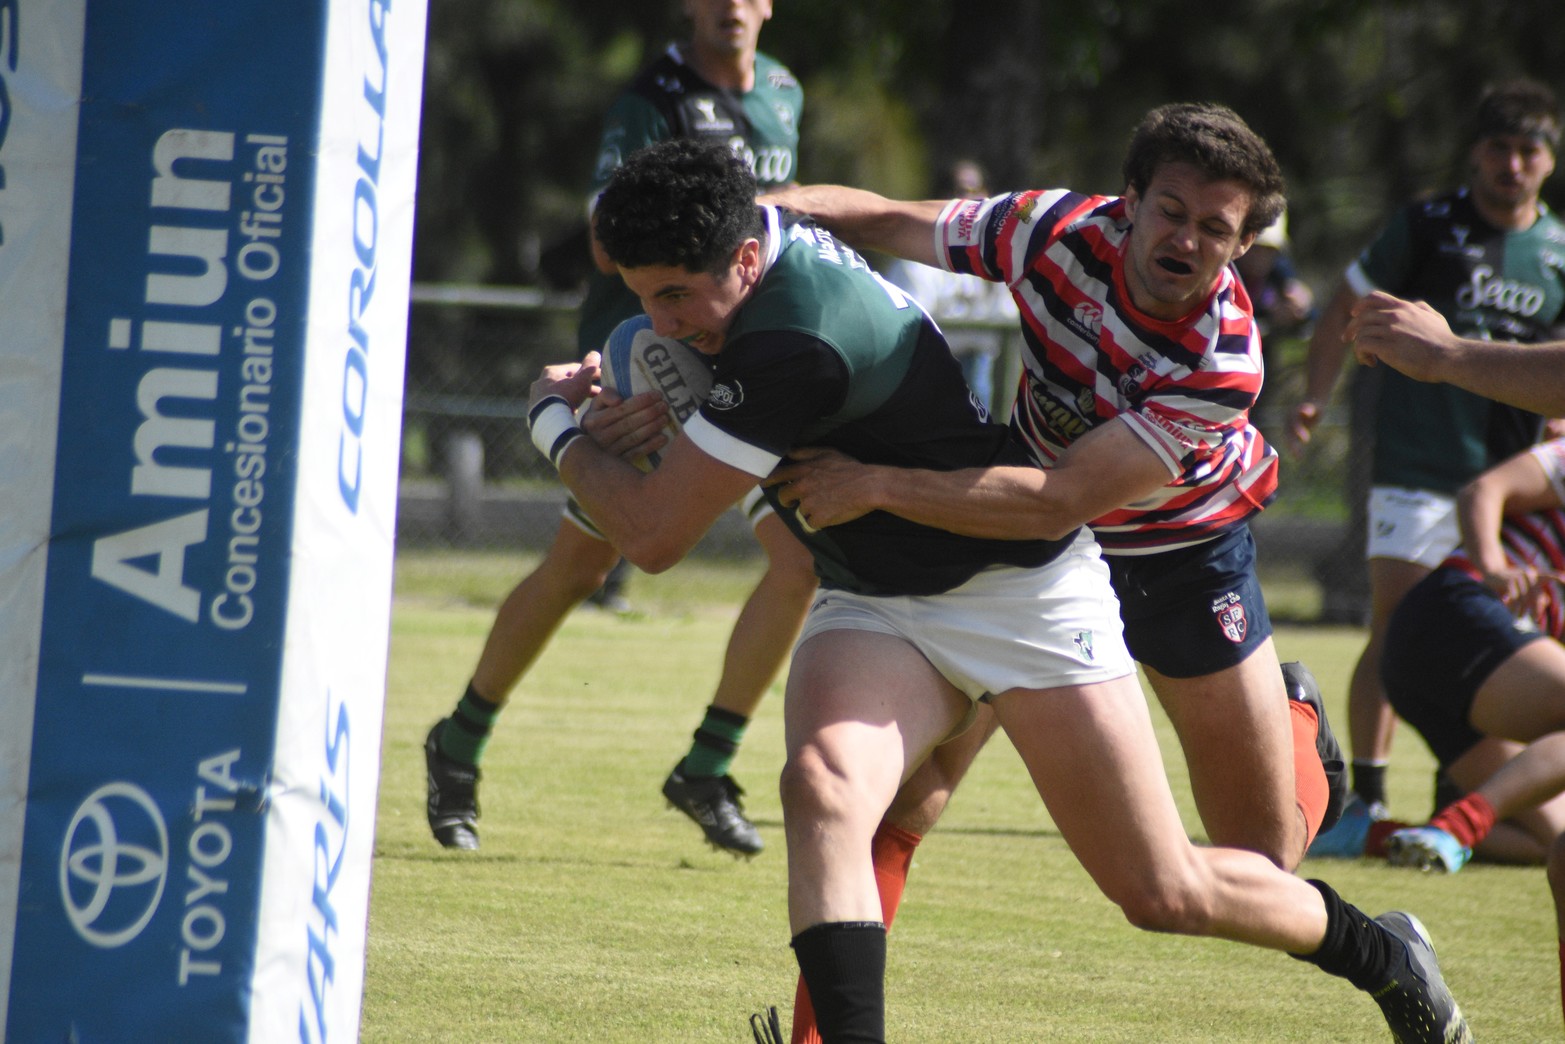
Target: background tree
pixel 1366 102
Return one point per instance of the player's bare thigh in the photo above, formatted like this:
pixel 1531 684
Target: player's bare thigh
pixel 1094 758
pixel 1233 726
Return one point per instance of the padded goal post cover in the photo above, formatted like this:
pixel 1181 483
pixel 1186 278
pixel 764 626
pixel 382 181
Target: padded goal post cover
pixel 206 216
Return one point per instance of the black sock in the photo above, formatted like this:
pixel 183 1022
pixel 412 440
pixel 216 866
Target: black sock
pixel 844 968
pixel 1355 947
pixel 1369 780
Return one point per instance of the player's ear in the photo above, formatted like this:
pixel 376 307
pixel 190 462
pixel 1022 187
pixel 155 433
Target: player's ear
pixel 748 258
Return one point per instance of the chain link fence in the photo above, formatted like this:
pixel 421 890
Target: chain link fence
pixel 471 479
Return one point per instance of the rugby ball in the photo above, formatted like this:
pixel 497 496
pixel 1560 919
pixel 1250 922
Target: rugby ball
pixel 636 360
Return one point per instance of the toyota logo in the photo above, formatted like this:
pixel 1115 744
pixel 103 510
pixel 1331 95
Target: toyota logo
pixel 114 864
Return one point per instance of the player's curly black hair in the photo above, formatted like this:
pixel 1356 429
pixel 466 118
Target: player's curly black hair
pixel 1213 139
pixel 682 202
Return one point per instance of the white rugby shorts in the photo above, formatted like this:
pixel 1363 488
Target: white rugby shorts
pixel 1411 525
pixel 1006 628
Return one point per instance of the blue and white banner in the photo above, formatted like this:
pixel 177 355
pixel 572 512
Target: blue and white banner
pixel 205 233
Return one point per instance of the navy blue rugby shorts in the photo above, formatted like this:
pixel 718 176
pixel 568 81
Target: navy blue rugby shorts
pixel 1195 610
pixel 1442 643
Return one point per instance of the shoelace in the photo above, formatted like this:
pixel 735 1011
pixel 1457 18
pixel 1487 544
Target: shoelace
pixel 765 1027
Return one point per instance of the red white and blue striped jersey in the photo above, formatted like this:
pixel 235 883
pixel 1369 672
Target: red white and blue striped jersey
pixel 1185 387
pixel 1536 540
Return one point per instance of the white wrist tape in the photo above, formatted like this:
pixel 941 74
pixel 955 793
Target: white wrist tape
pixel 553 426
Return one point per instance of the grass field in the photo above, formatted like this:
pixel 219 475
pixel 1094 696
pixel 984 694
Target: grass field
pixel 594 913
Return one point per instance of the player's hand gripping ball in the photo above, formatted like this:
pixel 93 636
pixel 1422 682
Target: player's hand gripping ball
pixel 636 360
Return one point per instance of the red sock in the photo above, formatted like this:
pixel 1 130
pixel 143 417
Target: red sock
pixel 1311 791
pixel 891 852
pixel 1468 820
pixel 1375 840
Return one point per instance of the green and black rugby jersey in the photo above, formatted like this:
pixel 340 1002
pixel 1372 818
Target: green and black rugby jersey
pixel 1488 283
pixel 827 353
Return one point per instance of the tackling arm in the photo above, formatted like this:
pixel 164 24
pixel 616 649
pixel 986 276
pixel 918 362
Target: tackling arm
pixel 1414 338
pixel 867 220
pixel 1107 468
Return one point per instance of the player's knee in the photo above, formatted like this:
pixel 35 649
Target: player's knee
pixel 578 571
pixel 813 789
pixel 1165 903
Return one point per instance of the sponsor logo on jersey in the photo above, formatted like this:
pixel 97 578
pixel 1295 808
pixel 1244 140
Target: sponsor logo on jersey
pixel 1087 320
pixel 965 219
pixel 1229 612
pixel 782 80
pixel 1056 417
pixel 1130 381
pixel 726 396
pixel 708 118
pixel 1489 289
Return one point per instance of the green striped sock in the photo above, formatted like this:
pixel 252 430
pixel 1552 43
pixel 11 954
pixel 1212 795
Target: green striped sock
pixel 716 743
pixel 467 730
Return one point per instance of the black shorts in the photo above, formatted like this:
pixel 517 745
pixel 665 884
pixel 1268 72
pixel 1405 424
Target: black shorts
pixel 1194 611
pixel 1442 643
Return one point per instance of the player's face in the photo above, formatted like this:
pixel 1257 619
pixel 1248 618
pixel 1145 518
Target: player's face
pixel 696 307
pixel 1509 170
pixel 728 27
pixel 1186 229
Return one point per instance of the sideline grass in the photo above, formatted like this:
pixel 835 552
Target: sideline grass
pixel 595 914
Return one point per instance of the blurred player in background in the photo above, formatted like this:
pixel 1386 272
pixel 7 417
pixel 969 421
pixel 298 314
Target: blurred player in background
pixel 715 87
pixel 1487 256
pixel 1473 661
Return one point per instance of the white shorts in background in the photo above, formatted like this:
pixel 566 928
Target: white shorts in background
pixel 1006 628
pixel 1411 525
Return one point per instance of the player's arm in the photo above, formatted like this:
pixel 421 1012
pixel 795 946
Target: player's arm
pixel 1108 468
pixel 869 221
pixel 1416 339
pixel 1323 363
pixel 1514 487
pixel 653 518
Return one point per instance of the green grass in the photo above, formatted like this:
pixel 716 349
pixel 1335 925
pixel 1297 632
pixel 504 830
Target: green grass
pixel 593 913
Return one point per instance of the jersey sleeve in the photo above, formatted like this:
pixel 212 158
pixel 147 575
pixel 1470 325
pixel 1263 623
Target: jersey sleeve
pixel 1387 263
pixel 998 238
pixel 769 393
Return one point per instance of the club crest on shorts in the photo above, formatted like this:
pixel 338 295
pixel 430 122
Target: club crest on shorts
pixel 1230 616
pixel 1083 642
